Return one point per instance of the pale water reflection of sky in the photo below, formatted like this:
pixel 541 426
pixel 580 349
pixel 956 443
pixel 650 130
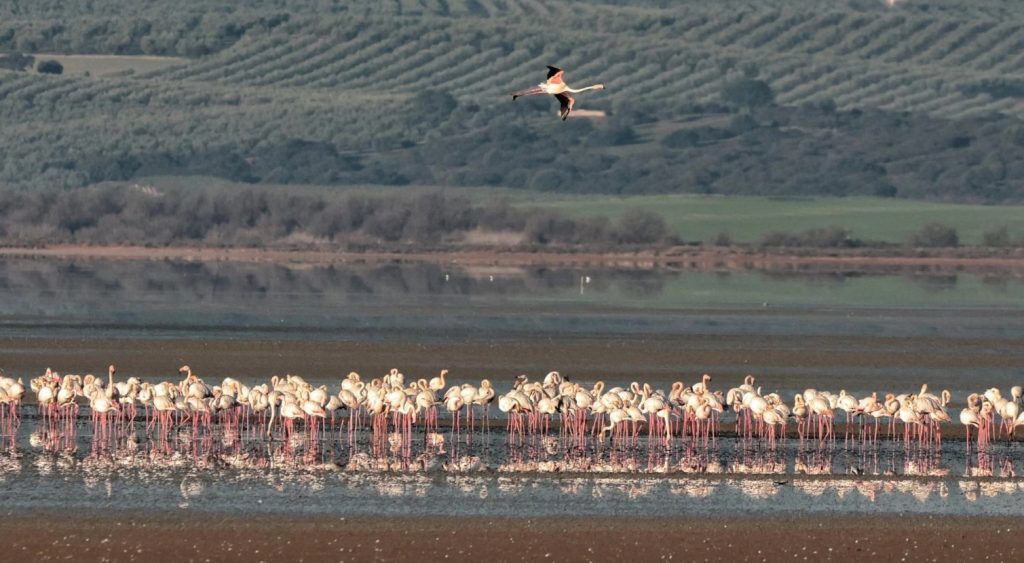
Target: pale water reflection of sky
pixel 237 297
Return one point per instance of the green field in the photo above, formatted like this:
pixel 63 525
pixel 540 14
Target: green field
pixel 107 65
pixel 747 218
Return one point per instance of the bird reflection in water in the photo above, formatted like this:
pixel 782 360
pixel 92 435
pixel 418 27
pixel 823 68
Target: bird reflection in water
pixel 984 463
pixel 133 450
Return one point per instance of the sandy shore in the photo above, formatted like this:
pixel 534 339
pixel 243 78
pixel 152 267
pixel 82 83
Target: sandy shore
pixel 188 536
pixel 691 258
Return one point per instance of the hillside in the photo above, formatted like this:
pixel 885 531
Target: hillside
pixel 921 100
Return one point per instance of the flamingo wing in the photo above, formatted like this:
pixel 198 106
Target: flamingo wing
pixel 555 75
pixel 566 105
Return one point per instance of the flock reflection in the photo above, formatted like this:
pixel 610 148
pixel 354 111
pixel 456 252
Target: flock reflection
pixel 737 472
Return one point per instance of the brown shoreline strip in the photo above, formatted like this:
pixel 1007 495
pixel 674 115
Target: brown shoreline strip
pixel 173 534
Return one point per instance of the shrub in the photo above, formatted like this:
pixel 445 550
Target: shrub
pixel 747 93
pixel 996 238
pixel 16 61
pixel 830 237
pixel 722 239
pixel 638 226
pixel 50 67
pixel 934 235
pixel 681 139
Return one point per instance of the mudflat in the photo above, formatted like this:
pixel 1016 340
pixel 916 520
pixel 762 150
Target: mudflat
pixel 877 361
pixel 189 536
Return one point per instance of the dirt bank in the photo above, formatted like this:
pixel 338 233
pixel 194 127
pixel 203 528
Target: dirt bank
pixel 175 535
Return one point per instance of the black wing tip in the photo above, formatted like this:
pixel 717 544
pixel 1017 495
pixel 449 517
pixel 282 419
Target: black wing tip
pixel 553 70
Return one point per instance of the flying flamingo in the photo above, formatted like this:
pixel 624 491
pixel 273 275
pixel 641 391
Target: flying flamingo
pixel 559 89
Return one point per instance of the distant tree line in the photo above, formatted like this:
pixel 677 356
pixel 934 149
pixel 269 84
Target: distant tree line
pixel 931 235
pixel 116 214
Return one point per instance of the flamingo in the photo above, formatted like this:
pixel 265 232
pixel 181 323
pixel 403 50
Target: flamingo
pixel 484 398
pixel 468 394
pixel 615 417
pixel 45 399
pixel 558 88
pixel 453 402
pixel 822 409
pixel 426 401
pixel 800 413
pixel 701 415
pixel 773 418
pixel 756 406
pixel 849 405
pixel 164 407
pixel 437 383
pixel 102 407
pixel 351 399
pixel 546 406
pixel 313 410
pixel 69 389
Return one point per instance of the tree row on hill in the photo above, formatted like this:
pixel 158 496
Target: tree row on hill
pixel 392 98
pixel 173 34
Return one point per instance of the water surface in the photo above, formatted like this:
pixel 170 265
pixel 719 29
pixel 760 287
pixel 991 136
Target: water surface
pixel 249 320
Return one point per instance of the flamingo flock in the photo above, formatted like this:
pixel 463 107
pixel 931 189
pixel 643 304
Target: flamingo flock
pixel 583 414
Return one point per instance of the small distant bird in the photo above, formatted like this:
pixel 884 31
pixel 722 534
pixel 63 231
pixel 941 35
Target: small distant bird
pixel 558 89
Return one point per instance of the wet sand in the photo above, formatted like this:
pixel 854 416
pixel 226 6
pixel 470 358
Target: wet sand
pixel 189 536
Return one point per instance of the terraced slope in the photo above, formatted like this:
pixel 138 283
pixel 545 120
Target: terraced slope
pixel 345 75
pixel 890 61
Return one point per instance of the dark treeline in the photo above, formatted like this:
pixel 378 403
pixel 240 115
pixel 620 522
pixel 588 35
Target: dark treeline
pixel 114 214
pixel 191 35
pixel 77 8
pixel 931 235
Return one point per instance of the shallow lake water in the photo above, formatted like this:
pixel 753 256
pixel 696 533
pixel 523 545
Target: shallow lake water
pixel 487 474
pixel 850 331
pixel 249 320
